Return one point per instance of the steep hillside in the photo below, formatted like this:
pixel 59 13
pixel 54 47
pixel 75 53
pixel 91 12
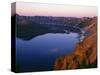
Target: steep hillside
pixel 85 53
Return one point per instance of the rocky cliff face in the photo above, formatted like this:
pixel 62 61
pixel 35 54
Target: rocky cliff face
pixel 85 53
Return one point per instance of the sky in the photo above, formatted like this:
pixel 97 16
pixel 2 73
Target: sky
pixel 38 9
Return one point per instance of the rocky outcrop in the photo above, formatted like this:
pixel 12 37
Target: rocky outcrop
pixel 85 53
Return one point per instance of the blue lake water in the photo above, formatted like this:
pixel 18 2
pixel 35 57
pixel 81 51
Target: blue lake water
pixel 41 52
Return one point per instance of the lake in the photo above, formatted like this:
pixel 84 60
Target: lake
pixel 40 52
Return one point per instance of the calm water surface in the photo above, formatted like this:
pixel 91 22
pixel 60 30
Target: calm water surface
pixel 40 52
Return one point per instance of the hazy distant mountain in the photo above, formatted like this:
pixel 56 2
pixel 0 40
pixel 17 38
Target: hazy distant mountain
pixel 30 26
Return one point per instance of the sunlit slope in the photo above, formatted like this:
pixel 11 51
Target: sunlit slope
pixel 85 53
